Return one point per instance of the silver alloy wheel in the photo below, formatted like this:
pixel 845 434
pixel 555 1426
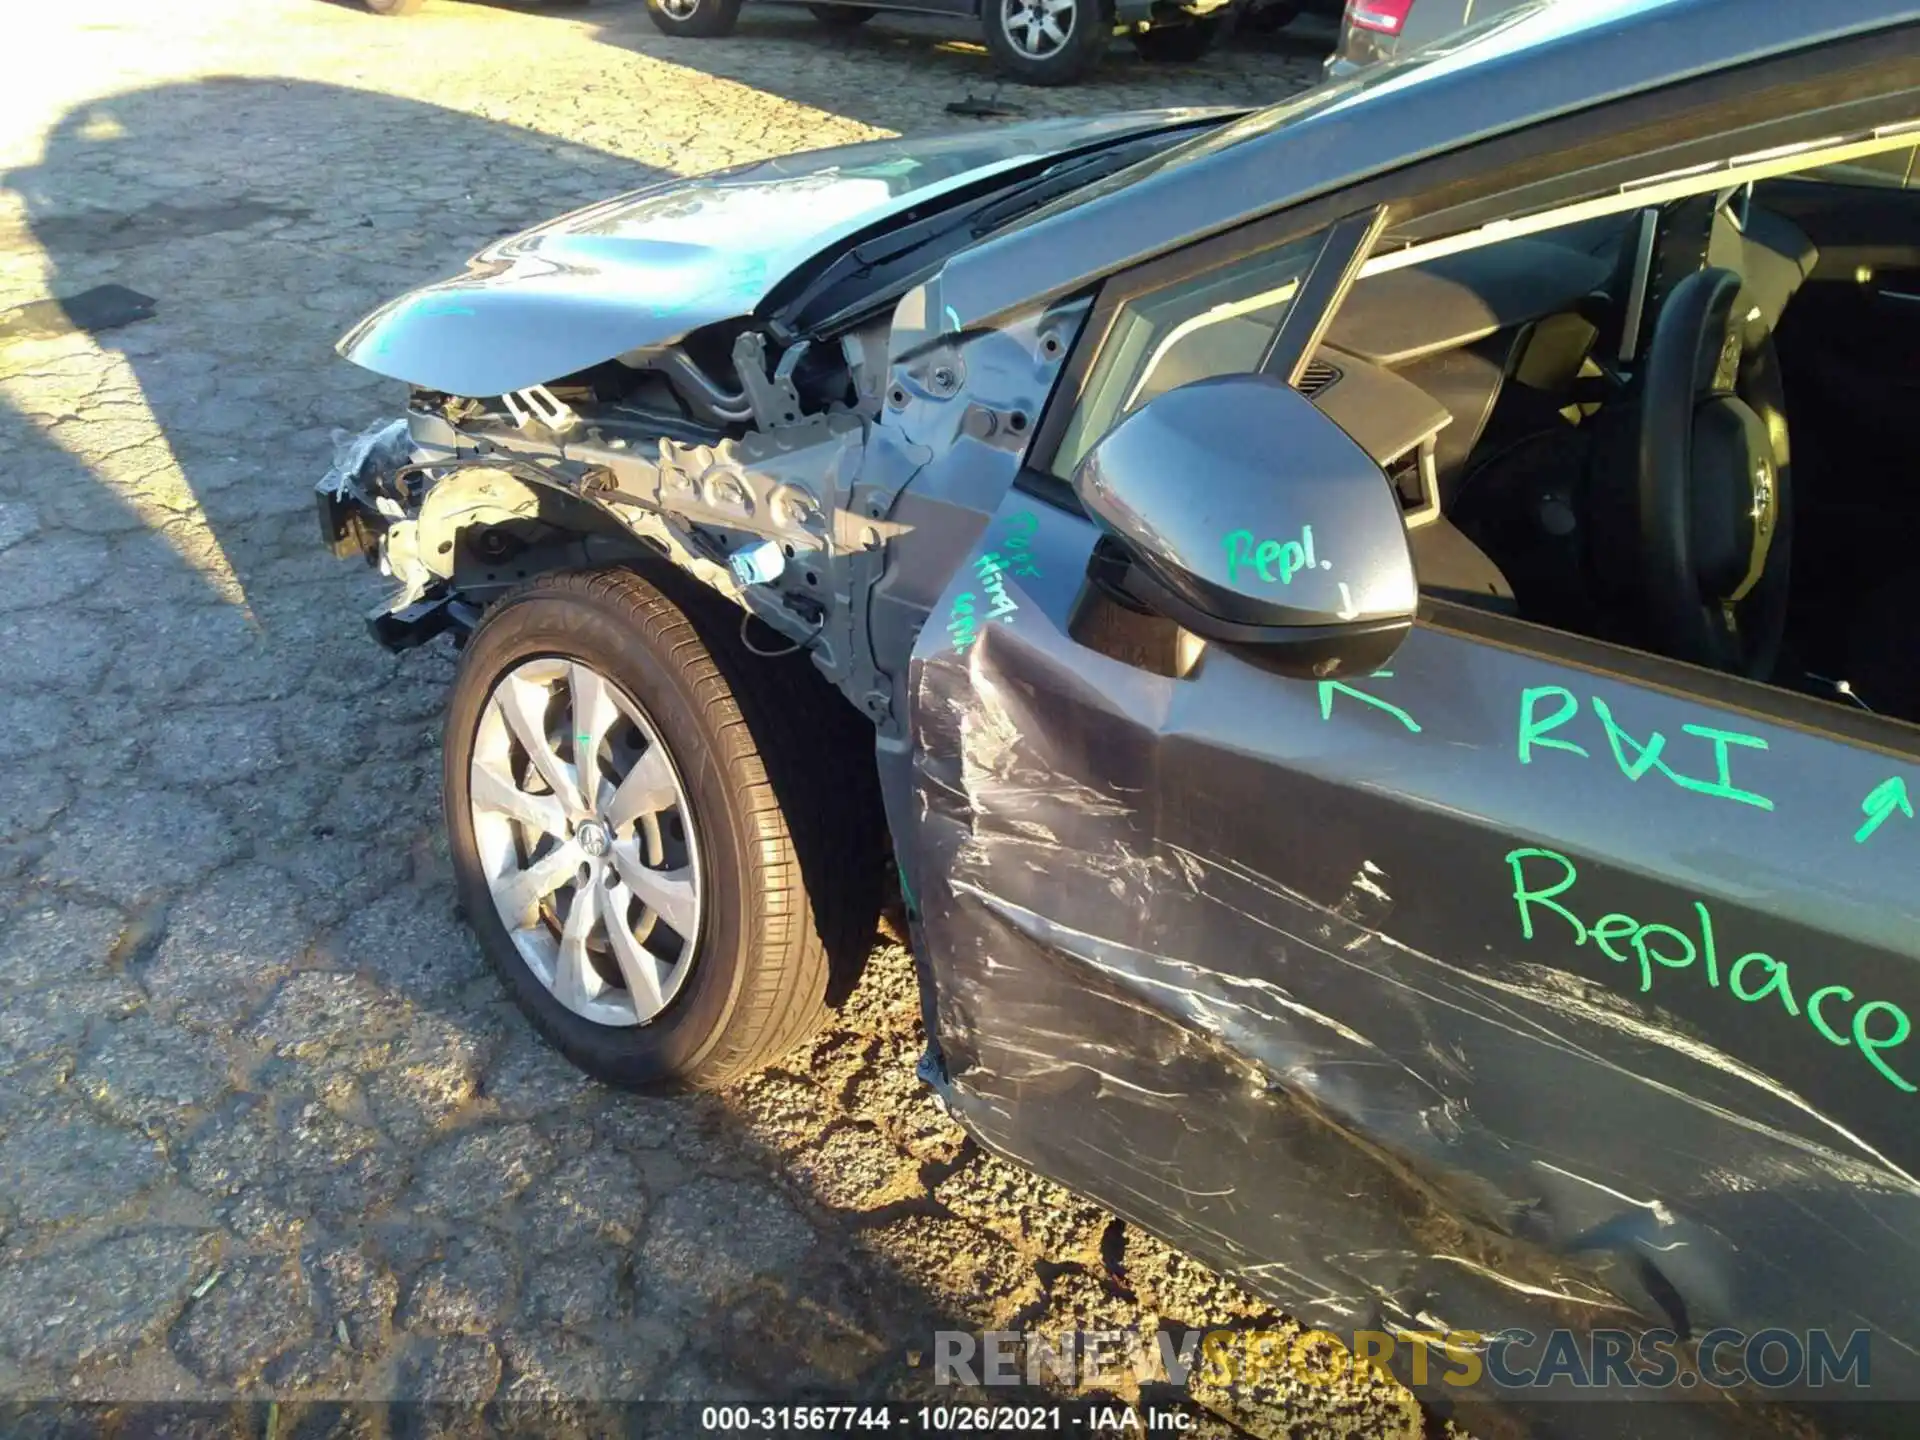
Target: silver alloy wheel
pixel 1037 28
pixel 680 9
pixel 587 840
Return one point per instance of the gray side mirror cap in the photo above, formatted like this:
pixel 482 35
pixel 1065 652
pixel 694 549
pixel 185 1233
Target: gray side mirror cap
pixel 1251 518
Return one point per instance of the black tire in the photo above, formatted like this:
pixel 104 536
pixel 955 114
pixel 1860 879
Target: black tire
pixel 766 752
pixel 1272 17
pixel 707 20
pixel 1086 41
pixel 392 7
pixel 841 17
pixel 1176 44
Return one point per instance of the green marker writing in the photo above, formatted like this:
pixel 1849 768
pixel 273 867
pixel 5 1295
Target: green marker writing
pixel 1885 798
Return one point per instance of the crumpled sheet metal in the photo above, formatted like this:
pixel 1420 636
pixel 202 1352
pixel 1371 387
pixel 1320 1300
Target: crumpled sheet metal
pixel 1207 992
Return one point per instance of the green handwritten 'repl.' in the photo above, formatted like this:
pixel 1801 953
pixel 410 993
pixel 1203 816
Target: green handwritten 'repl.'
pixel 1542 877
pixel 1274 561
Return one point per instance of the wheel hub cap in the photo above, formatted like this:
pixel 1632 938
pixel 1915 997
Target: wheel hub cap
pixel 1037 29
pixel 587 840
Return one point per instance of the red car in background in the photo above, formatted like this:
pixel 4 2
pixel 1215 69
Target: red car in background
pixel 1374 30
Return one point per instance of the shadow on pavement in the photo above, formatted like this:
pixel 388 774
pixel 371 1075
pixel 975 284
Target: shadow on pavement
pixel 268 1124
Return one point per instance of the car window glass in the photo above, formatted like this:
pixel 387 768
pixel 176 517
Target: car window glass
pixel 1218 323
pixel 1891 169
pixel 1537 520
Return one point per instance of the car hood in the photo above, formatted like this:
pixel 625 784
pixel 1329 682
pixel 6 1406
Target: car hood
pixel 649 267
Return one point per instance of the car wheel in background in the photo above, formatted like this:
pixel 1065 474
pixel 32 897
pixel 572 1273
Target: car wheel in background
pixel 1273 16
pixel 841 17
pixel 1176 42
pixel 618 785
pixel 1046 42
pixel 393 7
pixel 701 18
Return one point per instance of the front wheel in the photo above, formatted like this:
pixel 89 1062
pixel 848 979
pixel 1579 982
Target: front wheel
pixel 1176 43
pixel 1046 42
pixel 618 786
pixel 701 19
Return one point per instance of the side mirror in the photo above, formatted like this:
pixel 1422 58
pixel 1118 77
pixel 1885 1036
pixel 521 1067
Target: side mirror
pixel 1238 510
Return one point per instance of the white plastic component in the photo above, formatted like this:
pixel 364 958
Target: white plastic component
pixel 757 564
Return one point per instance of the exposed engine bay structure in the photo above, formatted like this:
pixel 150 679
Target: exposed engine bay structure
pixel 1382 632
pixel 705 368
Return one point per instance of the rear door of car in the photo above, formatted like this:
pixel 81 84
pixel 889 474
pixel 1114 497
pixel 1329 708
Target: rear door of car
pixel 1527 982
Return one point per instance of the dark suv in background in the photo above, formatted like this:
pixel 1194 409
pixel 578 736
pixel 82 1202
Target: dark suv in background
pixel 1266 16
pixel 1036 42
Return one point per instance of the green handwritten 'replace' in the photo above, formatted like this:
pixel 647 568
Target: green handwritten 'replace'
pixel 1754 978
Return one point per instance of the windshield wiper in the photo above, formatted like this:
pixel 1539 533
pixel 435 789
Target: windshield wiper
pixel 890 264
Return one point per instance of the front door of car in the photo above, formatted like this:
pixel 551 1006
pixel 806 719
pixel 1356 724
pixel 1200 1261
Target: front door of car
pixel 1526 982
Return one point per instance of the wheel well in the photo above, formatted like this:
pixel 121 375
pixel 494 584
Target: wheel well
pixel 829 789
pixel 567 533
pixel 489 529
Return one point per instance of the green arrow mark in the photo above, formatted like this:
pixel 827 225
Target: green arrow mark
pixel 1885 798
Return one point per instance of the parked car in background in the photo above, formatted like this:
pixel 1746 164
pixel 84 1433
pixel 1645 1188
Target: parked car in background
pixel 408 7
pixel 1037 42
pixel 1375 30
pixel 1266 16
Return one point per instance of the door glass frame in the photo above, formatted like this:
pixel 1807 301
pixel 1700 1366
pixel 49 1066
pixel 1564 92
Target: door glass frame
pixel 1813 714
pixel 1791 709
pixel 1349 230
pixel 1848 88
pixel 1434 209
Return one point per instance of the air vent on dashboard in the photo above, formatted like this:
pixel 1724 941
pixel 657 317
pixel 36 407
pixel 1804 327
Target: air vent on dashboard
pixel 1319 374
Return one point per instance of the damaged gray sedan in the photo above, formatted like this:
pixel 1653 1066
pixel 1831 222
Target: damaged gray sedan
pixel 1380 633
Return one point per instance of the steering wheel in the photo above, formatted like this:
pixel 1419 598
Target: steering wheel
pixel 1712 500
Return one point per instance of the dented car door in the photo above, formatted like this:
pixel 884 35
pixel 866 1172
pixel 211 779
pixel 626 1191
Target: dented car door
pixel 1526 984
